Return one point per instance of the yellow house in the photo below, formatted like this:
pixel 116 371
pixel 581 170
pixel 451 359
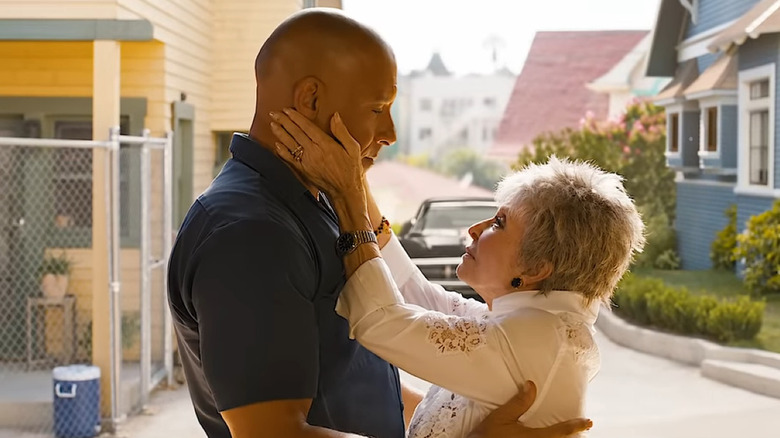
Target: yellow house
pixel 72 69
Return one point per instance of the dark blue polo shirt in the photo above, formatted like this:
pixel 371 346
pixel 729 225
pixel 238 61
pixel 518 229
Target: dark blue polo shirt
pixel 253 281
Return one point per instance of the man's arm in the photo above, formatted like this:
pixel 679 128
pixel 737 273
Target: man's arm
pixel 502 422
pixel 251 291
pixel 281 418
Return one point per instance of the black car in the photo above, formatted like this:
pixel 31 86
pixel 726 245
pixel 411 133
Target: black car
pixel 437 236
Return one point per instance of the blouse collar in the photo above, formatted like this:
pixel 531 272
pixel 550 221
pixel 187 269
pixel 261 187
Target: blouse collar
pixel 557 301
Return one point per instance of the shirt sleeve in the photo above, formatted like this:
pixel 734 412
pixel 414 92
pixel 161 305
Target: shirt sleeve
pixel 418 290
pixel 252 286
pixel 468 355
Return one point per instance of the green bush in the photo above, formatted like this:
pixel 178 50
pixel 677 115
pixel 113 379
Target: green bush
pixel 668 260
pixel 759 247
pixel 661 239
pixel 736 320
pixel 648 301
pixel 722 251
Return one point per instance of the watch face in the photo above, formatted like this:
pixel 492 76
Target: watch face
pixel 345 243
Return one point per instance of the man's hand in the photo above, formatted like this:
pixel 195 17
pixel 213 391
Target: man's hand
pixel 502 423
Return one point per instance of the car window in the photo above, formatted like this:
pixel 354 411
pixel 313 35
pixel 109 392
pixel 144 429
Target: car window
pixel 455 217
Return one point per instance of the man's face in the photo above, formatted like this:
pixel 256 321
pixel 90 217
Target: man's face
pixel 363 100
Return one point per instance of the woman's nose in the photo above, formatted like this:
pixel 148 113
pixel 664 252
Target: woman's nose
pixel 476 230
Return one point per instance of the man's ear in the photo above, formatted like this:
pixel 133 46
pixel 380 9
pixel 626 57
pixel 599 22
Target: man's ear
pixel 306 96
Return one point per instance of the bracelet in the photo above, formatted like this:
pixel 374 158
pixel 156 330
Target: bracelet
pixel 384 227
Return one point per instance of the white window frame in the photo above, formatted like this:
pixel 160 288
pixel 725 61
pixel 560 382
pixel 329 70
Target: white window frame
pixel 707 100
pixel 669 113
pixel 679 107
pixel 746 77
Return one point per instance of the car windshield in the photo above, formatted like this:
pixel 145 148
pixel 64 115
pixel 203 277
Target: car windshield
pixel 455 217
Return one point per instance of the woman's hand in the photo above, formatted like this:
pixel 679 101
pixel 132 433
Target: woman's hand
pixel 333 166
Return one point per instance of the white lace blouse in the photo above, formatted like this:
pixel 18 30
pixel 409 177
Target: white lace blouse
pixel 476 358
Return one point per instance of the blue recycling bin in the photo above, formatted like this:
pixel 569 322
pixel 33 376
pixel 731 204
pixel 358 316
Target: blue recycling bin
pixel 76 401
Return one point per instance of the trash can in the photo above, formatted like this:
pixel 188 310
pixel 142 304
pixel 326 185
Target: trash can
pixel 76 401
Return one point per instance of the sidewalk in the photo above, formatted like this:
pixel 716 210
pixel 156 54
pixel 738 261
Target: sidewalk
pixel 169 414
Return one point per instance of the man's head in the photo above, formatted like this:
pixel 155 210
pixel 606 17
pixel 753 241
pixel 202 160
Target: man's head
pixel 321 62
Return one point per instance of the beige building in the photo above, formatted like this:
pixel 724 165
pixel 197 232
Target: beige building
pixel 72 69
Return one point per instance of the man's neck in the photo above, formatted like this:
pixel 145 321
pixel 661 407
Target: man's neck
pixel 259 139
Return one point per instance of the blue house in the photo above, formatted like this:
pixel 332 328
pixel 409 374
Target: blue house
pixel 722 112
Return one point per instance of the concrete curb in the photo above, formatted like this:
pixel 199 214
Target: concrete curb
pixel 751 369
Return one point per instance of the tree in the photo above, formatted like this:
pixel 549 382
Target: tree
pixel 463 161
pixel 633 146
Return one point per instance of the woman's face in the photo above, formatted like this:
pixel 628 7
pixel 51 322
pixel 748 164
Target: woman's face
pixel 491 261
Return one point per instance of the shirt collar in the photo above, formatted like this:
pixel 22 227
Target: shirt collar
pixel 264 162
pixel 556 301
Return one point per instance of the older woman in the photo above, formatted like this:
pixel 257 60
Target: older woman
pixel 563 236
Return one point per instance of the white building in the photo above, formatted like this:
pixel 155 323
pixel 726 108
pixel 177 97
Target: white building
pixel 437 111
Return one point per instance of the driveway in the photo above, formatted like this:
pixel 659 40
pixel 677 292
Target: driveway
pixel 634 396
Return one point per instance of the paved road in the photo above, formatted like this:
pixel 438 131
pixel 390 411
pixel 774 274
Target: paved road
pixel 634 396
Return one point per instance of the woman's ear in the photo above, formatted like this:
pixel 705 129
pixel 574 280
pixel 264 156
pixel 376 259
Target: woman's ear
pixel 543 271
pixel 306 96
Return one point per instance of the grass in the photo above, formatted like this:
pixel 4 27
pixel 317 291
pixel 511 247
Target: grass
pixel 724 284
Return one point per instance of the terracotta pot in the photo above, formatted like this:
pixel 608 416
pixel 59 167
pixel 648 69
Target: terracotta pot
pixel 54 286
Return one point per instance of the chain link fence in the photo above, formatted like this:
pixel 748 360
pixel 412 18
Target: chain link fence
pixel 47 293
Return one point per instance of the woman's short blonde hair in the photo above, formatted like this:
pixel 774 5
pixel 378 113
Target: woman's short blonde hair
pixel 578 219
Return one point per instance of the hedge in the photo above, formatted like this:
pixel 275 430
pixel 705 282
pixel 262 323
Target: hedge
pixel 650 302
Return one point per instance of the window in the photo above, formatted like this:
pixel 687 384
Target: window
pixel 759 147
pixel 426 105
pixel 489 102
pixel 425 133
pixel 674 132
pixel 756 128
pixel 710 139
pixel 222 141
pixel 759 89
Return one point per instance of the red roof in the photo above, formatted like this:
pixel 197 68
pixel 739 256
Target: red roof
pixel 550 93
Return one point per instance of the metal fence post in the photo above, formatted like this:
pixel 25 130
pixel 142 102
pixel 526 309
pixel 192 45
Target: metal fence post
pixel 168 246
pixel 146 287
pixel 114 277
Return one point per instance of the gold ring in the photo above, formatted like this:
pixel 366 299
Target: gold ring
pixel 298 153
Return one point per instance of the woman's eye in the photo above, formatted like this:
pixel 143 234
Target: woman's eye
pixel 378 110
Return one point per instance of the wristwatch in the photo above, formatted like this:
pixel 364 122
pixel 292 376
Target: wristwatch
pixel 348 242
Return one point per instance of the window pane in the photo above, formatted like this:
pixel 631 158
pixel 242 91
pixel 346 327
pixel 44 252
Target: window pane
pixel 759 89
pixel 759 147
pixel 712 129
pixel 674 132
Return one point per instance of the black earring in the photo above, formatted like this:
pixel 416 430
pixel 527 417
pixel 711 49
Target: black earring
pixel 517 282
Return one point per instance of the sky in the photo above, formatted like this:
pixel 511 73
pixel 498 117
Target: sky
pixel 459 29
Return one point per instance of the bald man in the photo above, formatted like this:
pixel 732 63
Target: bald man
pixel 254 274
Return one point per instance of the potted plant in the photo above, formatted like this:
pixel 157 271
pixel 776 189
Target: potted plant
pixel 55 271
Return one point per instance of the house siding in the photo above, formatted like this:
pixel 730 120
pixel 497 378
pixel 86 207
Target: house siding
pixel 48 9
pixel 748 206
pixel 240 29
pixel 712 13
pixel 185 28
pixel 699 216
pixel 758 52
pixel 705 61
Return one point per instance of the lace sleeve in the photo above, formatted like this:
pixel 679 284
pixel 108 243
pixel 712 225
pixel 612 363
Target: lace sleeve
pixel 468 355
